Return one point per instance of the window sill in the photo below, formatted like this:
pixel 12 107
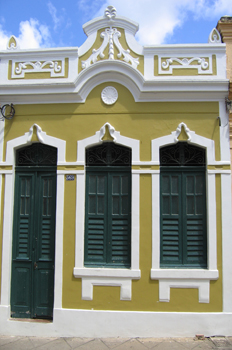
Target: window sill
pixel 106 277
pixel 184 278
pixel 104 272
pixel 184 274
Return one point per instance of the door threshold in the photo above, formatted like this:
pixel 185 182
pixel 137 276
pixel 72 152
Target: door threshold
pixel 37 320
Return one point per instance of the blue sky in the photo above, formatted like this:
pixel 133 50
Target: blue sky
pixel 58 23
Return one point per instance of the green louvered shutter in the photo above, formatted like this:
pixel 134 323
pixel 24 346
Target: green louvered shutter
pixel 183 231
pixel 183 218
pixel 108 206
pixel 170 219
pixel 21 291
pixel 119 219
pixel 95 218
pixel 45 241
pixel 194 219
pixel 107 223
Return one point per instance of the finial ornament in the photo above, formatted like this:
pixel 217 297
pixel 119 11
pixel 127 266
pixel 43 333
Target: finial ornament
pixel 110 12
pixel 111 131
pixel 178 131
pixel 214 37
pixel 12 43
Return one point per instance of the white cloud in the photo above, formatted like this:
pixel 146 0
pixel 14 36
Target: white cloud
pixel 4 37
pixel 159 18
pixel 56 20
pixel 32 35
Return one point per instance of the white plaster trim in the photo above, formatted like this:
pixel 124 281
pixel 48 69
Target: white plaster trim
pixel 144 171
pixel 7 240
pixel 182 274
pixel 64 172
pixel 201 64
pixel 218 171
pixel 224 132
pixel 77 87
pixel 2 127
pixel 97 138
pixel 79 270
pixel 38 67
pixel 201 285
pixel 58 279
pixel 192 137
pixel 214 37
pixel 88 323
pixel 105 272
pixel 226 242
pixel 178 131
pixel 102 22
pixel 26 140
pixel 6 171
pixel 89 282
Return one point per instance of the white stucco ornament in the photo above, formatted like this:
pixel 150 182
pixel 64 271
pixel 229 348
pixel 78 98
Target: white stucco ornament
pixel 214 37
pixel 12 43
pixel 109 95
pixel 110 12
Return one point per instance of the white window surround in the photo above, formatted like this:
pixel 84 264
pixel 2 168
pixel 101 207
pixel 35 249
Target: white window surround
pixel 11 146
pixel 184 278
pixel 106 276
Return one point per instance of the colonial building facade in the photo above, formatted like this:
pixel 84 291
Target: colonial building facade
pixel 114 177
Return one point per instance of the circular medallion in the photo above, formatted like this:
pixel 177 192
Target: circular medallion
pixel 109 95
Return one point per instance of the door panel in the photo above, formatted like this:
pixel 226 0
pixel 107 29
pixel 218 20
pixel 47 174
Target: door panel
pixel 33 244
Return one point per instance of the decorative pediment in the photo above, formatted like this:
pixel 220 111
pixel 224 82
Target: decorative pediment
pixel 111 47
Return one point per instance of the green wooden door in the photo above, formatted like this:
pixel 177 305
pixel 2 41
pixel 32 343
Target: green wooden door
pixel 32 287
pixel 183 240
pixel 108 217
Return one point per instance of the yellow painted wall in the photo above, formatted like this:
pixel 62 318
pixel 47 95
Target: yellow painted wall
pixel 142 121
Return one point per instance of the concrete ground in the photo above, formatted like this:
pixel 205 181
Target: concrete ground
pixel 28 343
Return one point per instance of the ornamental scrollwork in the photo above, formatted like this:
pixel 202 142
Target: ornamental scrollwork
pixel 53 67
pixel 110 37
pixel 201 65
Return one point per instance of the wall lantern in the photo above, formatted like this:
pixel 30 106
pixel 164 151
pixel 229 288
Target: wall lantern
pixel 7 111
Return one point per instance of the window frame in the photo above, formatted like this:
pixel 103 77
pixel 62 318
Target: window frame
pixel 99 275
pixel 185 277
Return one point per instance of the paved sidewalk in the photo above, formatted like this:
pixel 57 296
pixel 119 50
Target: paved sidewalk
pixel 28 343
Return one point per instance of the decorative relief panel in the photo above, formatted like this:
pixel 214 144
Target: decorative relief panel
pixel 111 39
pixel 202 64
pixel 55 68
pixel 109 95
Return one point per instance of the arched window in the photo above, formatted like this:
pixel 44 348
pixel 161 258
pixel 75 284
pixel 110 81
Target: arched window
pixel 183 241
pixel 108 206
